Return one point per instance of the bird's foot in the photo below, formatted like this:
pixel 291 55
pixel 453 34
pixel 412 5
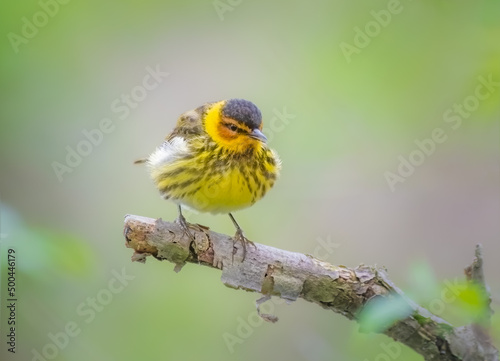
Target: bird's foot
pixel 184 225
pixel 240 237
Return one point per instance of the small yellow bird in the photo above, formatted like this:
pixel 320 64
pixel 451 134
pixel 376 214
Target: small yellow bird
pixel 215 160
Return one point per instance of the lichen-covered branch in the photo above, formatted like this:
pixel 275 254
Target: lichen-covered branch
pixel 289 275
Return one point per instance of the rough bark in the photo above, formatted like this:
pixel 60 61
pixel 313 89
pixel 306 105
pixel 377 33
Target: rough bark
pixel 289 275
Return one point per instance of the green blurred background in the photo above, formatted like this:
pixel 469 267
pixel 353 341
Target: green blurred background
pixel 351 114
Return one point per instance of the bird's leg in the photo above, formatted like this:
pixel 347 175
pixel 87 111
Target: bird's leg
pixel 239 237
pixel 184 225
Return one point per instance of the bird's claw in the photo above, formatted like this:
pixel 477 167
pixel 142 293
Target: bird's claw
pixel 240 237
pixel 185 226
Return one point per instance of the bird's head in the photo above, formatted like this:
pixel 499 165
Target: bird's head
pixel 235 124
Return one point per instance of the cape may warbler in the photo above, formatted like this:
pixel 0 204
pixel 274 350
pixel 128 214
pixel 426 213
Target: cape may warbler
pixel 216 160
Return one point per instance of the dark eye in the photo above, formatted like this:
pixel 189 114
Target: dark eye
pixel 233 127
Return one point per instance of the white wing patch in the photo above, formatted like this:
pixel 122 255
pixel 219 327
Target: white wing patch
pixel 168 152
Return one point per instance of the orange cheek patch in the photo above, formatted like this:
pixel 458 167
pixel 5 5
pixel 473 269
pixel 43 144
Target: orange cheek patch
pixel 225 133
pixel 232 140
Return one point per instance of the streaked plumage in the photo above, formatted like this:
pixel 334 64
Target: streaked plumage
pixel 216 159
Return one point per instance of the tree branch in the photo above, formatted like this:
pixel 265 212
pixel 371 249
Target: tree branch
pixel 289 275
pixel 480 329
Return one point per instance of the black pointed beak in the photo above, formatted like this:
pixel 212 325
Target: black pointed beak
pixel 257 134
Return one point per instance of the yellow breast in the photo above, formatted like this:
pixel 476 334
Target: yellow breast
pixel 212 181
pixel 224 193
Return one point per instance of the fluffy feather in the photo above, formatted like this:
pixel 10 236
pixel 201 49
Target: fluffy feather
pixel 168 152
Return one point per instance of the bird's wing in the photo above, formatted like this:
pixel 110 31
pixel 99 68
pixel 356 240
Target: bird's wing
pixel 188 128
pixel 189 124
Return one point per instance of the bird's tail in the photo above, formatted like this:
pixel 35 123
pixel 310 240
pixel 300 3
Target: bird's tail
pixel 140 161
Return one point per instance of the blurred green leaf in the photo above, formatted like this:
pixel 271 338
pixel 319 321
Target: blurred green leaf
pixel 43 248
pixel 423 283
pixel 465 302
pixel 471 304
pixel 66 252
pixel 381 312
